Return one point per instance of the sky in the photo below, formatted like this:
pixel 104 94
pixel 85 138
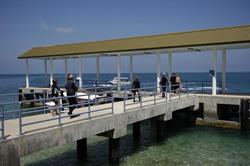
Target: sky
pixel 31 23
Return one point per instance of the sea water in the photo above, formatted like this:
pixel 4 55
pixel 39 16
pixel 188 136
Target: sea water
pixel 195 145
pixel 236 82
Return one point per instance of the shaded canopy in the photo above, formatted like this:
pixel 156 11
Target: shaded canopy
pixel 229 37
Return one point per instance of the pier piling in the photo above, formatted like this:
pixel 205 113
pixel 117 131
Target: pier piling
pixel 159 130
pixel 81 149
pixel 114 150
pixel 244 114
pixel 136 130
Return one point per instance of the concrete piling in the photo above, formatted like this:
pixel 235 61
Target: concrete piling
pixel 244 114
pixel 159 130
pixel 136 130
pixel 81 149
pixel 114 150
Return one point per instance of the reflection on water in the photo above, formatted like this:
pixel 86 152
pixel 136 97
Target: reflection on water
pixel 195 145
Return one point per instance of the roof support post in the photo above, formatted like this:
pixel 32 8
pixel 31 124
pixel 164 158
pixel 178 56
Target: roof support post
pixel 66 68
pixel 169 64
pixel 158 65
pixel 131 68
pixel 97 70
pixel 169 67
pixel 214 70
pixel 45 71
pixel 224 64
pixel 27 73
pixel 80 71
pixel 119 72
pixel 51 71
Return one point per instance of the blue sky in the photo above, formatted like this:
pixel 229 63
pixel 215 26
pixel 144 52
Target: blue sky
pixel 29 23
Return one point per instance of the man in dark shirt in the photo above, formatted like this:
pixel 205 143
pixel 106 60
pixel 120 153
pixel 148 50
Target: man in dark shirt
pixel 136 88
pixel 71 90
pixel 163 83
pixel 173 82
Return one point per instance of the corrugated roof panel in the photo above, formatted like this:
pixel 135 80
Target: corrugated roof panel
pixel 231 35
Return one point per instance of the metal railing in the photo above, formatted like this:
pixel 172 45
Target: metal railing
pixel 171 92
pixel 87 101
pixel 204 86
pixel 60 108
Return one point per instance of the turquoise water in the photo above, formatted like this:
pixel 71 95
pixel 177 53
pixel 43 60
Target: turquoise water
pixel 197 145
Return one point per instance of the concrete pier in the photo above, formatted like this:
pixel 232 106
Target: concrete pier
pixel 112 125
pixel 210 108
pixel 45 135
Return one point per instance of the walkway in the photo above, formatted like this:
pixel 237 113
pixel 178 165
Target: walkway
pixel 96 111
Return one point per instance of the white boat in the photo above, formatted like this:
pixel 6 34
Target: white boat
pixel 123 80
pixel 84 96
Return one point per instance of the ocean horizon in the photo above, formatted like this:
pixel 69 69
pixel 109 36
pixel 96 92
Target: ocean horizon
pixel 237 82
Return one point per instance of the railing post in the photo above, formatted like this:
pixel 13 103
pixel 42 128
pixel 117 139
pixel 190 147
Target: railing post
pixel 89 105
pixel 201 87
pixel 44 101
pixel 170 91
pixel 1 107
pixel 59 113
pixel 140 98
pixel 124 99
pixel 155 91
pixel 112 102
pixel 20 118
pixel 179 91
pixel 95 94
pixel 166 93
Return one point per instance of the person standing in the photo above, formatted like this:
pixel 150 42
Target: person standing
pixel 173 82
pixel 71 90
pixel 163 84
pixel 136 85
pixel 178 83
pixel 55 90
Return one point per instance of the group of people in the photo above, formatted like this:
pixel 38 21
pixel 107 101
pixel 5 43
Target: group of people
pixel 71 90
pixel 175 82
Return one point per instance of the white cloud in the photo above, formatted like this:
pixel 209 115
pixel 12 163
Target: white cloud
pixel 64 29
pixel 44 25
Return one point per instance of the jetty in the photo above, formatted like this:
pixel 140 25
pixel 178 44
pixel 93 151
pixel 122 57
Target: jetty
pixel 34 129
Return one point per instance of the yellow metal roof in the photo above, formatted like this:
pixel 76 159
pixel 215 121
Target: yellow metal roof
pixel 230 35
